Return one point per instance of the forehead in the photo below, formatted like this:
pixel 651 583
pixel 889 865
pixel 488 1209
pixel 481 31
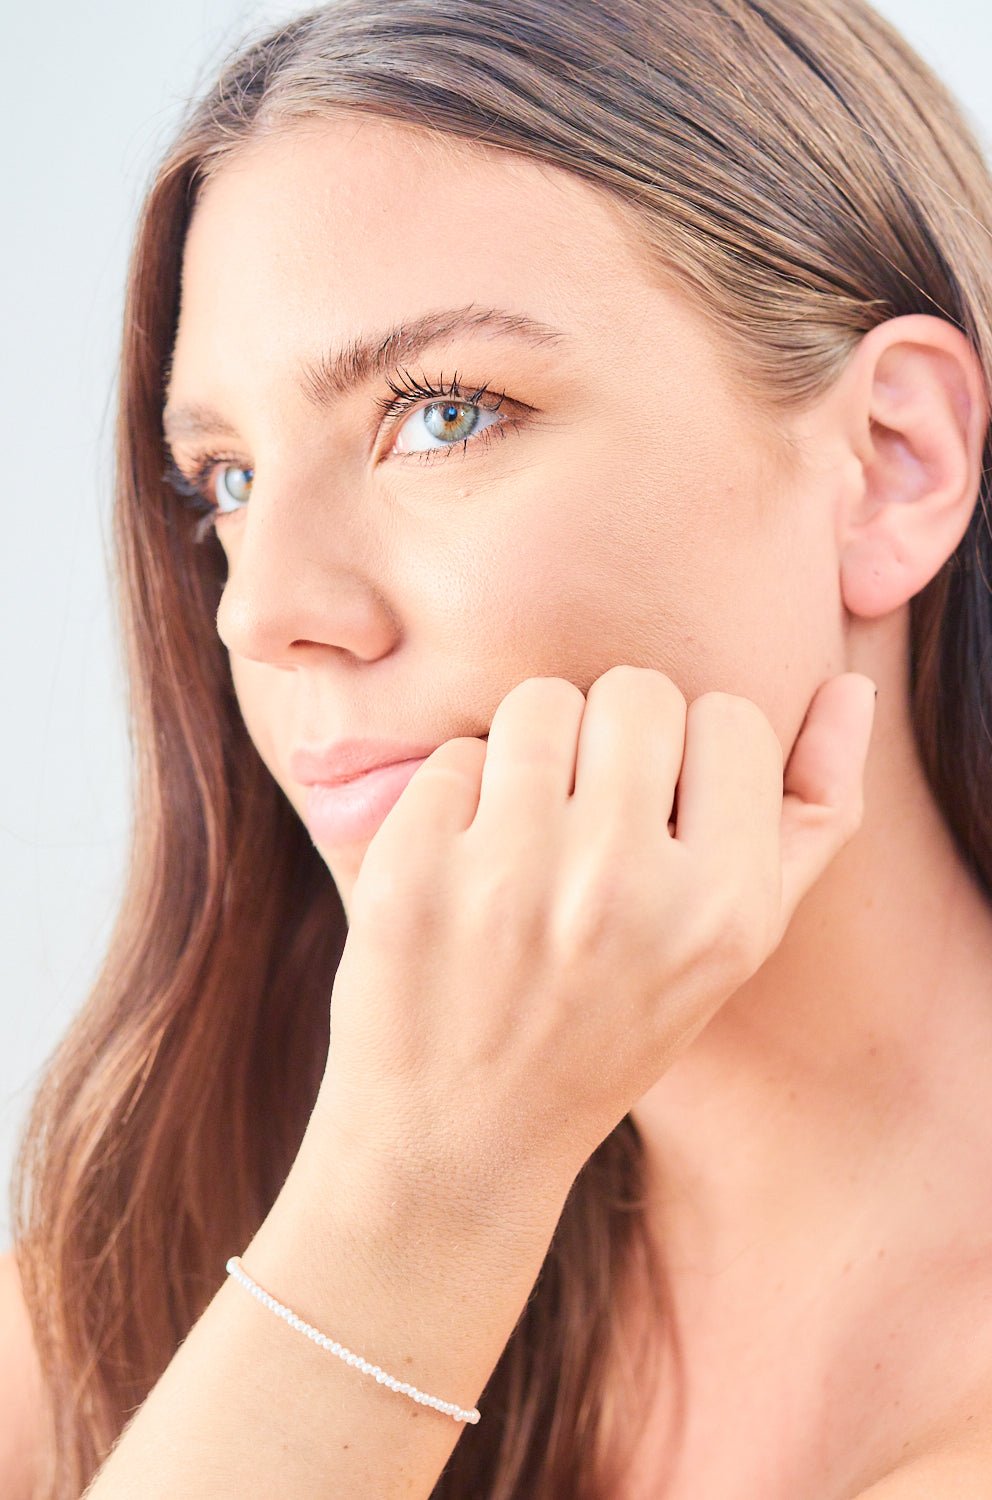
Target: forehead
pixel 346 224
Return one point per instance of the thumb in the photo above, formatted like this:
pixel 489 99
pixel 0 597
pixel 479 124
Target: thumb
pixel 823 795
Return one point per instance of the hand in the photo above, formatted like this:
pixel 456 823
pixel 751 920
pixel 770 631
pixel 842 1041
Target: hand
pixel 525 960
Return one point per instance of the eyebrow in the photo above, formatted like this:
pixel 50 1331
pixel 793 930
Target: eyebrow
pixel 326 380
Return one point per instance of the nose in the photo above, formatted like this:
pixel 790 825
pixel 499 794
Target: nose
pixel 297 580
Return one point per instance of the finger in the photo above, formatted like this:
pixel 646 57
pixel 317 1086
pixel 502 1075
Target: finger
pixel 438 801
pixel 530 760
pixel 630 750
pixel 500 783
pixel 730 791
pixel 823 786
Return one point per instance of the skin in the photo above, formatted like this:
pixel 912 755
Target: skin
pixel 819 1156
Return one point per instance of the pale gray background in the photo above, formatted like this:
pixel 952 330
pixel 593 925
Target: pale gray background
pixel 88 103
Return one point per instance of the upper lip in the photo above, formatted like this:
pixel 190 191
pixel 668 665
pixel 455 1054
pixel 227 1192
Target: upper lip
pixel 346 759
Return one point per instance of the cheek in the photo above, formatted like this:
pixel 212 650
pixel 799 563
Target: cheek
pixel 571 567
pixel 713 577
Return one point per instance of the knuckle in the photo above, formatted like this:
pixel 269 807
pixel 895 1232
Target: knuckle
pixel 743 714
pixel 539 690
pixel 637 679
pixel 500 914
pixel 742 937
pixel 592 914
pixel 716 702
pixel 493 894
pixel 627 671
pixel 462 753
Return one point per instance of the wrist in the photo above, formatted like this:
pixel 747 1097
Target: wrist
pixel 345 1186
pixel 385 1264
pixel 359 1173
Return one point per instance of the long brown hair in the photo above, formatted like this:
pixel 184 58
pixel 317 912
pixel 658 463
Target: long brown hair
pixel 801 174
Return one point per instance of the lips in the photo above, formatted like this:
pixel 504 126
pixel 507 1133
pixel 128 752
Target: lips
pixel 346 760
pixel 349 812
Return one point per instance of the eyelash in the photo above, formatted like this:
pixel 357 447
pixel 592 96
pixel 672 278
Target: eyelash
pixel 194 485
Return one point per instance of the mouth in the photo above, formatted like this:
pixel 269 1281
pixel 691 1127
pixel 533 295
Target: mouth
pixel 349 812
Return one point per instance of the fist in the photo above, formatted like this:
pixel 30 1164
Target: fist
pixel 546 919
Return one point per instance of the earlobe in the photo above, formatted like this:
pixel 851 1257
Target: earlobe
pixel 919 415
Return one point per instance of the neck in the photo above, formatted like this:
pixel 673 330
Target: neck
pixel 839 1098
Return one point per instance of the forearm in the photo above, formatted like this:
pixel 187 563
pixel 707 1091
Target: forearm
pixel 250 1406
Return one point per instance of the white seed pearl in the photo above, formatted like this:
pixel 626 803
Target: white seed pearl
pixel 237 1270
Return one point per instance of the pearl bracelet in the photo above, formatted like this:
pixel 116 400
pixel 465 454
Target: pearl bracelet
pixel 237 1270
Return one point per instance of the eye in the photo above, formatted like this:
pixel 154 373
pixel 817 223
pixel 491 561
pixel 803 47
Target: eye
pixel 446 417
pixel 227 486
pixel 207 489
pixel 444 424
pixel 449 419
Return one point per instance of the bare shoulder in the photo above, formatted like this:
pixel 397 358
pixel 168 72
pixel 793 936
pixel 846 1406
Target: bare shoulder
pixel 955 1458
pixel 20 1386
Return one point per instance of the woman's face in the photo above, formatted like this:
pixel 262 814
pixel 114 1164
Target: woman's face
pixel 634 508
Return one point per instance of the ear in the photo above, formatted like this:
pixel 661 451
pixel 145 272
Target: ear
pixel 915 414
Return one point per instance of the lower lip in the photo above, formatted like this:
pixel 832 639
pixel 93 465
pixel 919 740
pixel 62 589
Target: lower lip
pixel 352 810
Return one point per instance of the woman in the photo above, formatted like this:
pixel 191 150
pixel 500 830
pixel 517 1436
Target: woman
pixel 667 1145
